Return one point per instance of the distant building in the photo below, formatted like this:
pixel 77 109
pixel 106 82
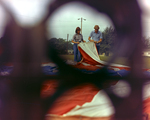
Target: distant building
pixel 70 51
pixel 146 52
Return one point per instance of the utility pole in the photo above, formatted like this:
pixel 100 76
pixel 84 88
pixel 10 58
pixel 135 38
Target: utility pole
pixel 67 42
pixel 81 22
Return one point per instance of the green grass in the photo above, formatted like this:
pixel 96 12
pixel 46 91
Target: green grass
pixel 122 61
pixel 146 62
pixel 67 57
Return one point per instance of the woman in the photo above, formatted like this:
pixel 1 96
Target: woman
pixel 77 38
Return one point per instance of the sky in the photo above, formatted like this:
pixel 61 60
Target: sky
pixel 65 20
pixel 70 14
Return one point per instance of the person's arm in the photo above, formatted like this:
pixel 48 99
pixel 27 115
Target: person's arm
pixel 100 40
pixel 90 39
pixel 74 42
pixel 82 38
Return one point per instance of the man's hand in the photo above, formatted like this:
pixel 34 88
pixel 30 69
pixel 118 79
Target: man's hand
pixel 90 39
pixel 98 41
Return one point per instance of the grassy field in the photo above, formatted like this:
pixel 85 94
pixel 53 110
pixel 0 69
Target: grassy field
pixel 123 61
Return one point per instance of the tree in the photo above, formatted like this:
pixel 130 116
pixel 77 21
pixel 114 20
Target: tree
pixel 60 44
pixel 146 42
pixel 109 37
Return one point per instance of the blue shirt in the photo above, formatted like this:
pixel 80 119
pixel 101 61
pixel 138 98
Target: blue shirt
pixel 96 36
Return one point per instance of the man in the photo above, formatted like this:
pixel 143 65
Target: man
pixel 96 36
